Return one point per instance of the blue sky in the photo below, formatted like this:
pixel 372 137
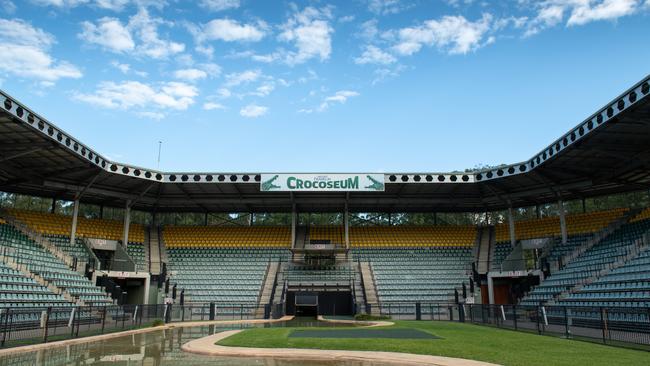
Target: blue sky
pixel 330 86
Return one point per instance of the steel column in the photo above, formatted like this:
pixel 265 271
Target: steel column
pixel 511 225
pixel 73 230
pixel 127 223
pixel 562 221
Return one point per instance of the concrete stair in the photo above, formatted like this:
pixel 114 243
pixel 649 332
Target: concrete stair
pixel 11 263
pixel 370 288
pixel 267 289
pixel 147 259
pixel 43 241
pixel 277 291
pixel 302 236
pixel 633 250
pixel 153 247
pixel 359 295
pixel 485 249
pixel 598 237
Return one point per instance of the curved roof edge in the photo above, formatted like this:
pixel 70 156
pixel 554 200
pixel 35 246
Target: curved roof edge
pixel 602 117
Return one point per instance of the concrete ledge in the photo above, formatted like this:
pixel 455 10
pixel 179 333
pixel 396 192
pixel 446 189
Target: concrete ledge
pixel 368 323
pixel 102 337
pixel 207 346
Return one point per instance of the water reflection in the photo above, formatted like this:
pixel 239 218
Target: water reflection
pixel 153 349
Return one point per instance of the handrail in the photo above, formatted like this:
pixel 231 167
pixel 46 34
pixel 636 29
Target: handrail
pixel 275 283
pixel 363 285
pixel 92 253
pixel 266 275
pixel 40 239
pixel 374 283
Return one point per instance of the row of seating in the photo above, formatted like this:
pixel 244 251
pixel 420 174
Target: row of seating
pixel 502 249
pixel 226 236
pixel 221 274
pixel 582 223
pixel 630 282
pixel 43 263
pixel 280 236
pixel 17 290
pixel 417 275
pixel 590 263
pixel 333 234
pixel 77 249
pixel 54 224
pixel 136 252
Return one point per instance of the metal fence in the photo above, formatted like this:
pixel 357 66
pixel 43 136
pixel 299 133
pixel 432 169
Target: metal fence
pixel 623 326
pixel 21 326
pixel 610 325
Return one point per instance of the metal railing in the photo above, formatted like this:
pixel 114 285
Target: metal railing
pixel 620 326
pixel 22 326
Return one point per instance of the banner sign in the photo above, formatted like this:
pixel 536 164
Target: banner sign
pixel 322 182
pixel 102 244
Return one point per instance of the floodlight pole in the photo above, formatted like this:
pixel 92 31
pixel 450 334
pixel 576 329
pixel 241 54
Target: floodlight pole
pixel 159 148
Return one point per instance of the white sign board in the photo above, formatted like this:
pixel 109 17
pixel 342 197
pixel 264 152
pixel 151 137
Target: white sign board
pixel 322 182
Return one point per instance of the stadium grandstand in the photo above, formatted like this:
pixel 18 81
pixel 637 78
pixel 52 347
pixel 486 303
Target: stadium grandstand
pixel 567 231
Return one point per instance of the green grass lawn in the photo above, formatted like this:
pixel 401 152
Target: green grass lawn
pixel 459 340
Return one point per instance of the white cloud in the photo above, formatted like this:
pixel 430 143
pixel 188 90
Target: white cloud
pixel 374 55
pixel 210 106
pixel 25 53
pixel 264 90
pixel 115 5
pixel 20 32
pixel 139 35
pixel 207 51
pixel 190 74
pixel 453 34
pixel 552 12
pixel 368 29
pixel 340 97
pixel 126 69
pixel 151 115
pixel 384 7
pixel 265 58
pixel 134 94
pixel 346 19
pixel 606 10
pixel 224 93
pixel 230 31
pixel 244 77
pixel 253 111
pixel 268 58
pixel 146 29
pixel 311 34
pixel 8 6
pixel 219 5
pixel 108 33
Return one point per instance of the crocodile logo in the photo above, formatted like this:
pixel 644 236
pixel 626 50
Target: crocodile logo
pixel 268 185
pixel 377 186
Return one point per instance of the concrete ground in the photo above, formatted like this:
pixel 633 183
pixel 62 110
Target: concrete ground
pixel 207 346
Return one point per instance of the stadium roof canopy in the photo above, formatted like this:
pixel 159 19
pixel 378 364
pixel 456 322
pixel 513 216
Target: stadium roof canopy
pixel 607 153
